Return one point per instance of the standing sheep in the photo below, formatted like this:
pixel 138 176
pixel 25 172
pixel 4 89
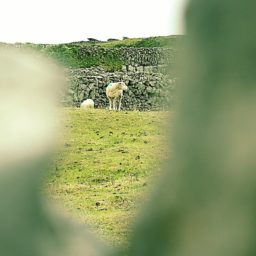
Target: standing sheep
pixel 87 104
pixel 114 92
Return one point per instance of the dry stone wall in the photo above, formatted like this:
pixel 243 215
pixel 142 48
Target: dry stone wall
pixel 130 55
pixel 144 71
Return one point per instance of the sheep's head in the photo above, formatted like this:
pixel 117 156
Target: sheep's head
pixel 122 86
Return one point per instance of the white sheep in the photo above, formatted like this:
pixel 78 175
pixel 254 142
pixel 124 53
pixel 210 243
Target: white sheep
pixel 89 103
pixel 114 92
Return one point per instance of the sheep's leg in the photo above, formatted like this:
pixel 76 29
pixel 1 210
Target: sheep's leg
pixel 110 103
pixel 119 107
pixel 114 104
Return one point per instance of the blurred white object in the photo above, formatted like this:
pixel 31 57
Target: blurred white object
pixel 29 85
pixel 89 103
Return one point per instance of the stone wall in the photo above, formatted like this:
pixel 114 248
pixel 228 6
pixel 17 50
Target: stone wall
pixel 147 90
pixel 144 70
pixel 130 55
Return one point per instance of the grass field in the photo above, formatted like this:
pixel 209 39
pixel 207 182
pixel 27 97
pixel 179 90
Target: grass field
pixel 107 164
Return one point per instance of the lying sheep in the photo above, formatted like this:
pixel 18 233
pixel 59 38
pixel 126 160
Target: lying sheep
pixel 114 92
pixel 87 104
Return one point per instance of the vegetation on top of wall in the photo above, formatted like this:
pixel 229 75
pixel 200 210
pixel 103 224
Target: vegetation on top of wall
pixel 68 54
pixel 159 41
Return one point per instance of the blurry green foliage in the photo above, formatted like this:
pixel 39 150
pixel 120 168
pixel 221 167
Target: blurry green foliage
pixel 205 204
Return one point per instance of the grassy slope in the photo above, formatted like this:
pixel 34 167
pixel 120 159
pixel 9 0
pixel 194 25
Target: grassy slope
pixel 68 54
pixel 107 158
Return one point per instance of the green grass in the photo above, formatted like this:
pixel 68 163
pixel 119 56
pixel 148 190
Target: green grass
pixel 158 41
pixel 109 159
pixel 69 54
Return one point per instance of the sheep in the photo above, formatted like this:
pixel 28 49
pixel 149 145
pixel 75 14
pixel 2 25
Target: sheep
pixel 89 103
pixel 114 92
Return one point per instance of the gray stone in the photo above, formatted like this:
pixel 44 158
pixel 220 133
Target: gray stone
pixel 140 69
pixel 141 86
pixel 131 68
